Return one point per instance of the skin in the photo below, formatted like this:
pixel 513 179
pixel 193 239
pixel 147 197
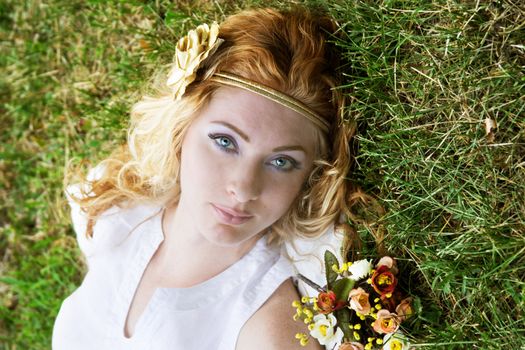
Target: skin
pixel 240 166
pixel 246 153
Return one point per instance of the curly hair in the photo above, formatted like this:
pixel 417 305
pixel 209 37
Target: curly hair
pixel 287 50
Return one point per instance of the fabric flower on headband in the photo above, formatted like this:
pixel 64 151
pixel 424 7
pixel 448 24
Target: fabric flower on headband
pixel 190 51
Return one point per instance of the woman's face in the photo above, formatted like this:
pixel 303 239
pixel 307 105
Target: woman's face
pixel 244 160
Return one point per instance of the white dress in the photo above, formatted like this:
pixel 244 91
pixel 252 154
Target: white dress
pixel 206 316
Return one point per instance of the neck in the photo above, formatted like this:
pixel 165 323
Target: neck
pixel 185 258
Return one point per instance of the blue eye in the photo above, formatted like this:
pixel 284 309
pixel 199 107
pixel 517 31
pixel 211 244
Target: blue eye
pixel 223 142
pixel 284 164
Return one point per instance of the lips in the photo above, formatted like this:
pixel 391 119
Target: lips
pixel 231 216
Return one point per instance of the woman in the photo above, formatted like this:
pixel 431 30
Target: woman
pixel 241 149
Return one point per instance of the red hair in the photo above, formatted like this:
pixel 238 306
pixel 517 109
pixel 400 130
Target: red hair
pixel 287 50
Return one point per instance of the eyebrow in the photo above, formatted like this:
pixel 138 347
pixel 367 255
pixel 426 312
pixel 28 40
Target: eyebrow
pixel 247 139
pixel 234 128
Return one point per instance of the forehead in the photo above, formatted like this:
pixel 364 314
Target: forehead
pixel 259 117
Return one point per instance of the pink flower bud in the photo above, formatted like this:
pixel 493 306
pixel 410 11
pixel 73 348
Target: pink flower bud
pixel 359 301
pixel 351 346
pixel 386 322
pixel 389 262
pixel 404 309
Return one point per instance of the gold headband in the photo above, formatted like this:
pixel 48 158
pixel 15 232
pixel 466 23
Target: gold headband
pixel 272 94
pixel 193 48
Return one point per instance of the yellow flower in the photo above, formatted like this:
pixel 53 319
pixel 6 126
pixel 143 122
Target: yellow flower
pixel 190 51
pixel 303 338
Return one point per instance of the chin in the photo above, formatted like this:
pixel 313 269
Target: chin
pixel 226 236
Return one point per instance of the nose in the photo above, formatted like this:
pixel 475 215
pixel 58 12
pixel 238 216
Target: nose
pixel 245 183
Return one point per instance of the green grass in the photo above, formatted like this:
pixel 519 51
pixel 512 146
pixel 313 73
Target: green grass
pixel 423 76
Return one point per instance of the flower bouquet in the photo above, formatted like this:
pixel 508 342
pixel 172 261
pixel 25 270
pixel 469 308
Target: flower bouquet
pixel 359 308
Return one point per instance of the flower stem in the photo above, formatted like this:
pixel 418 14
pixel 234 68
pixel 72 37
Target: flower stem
pixel 310 283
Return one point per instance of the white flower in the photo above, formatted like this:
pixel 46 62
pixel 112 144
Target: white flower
pixel 190 51
pixel 360 269
pixel 323 330
pixel 395 341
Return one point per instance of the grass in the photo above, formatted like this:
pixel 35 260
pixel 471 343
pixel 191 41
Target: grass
pixel 423 77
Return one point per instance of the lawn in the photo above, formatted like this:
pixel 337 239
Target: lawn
pixel 437 88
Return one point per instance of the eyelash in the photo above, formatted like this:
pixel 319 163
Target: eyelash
pixel 217 137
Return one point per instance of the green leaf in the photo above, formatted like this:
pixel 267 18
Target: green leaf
pixel 343 322
pixel 331 275
pixel 342 288
pixel 417 305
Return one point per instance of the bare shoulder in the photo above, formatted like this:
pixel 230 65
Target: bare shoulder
pixel 272 326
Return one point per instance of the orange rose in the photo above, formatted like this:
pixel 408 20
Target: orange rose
pixel 352 346
pixel 359 301
pixel 327 302
pixel 383 280
pixel 386 322
pixel 404 309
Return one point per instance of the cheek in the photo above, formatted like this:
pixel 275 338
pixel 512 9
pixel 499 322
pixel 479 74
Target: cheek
pixel 281 195
pixel 192 167
pixel 199 168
